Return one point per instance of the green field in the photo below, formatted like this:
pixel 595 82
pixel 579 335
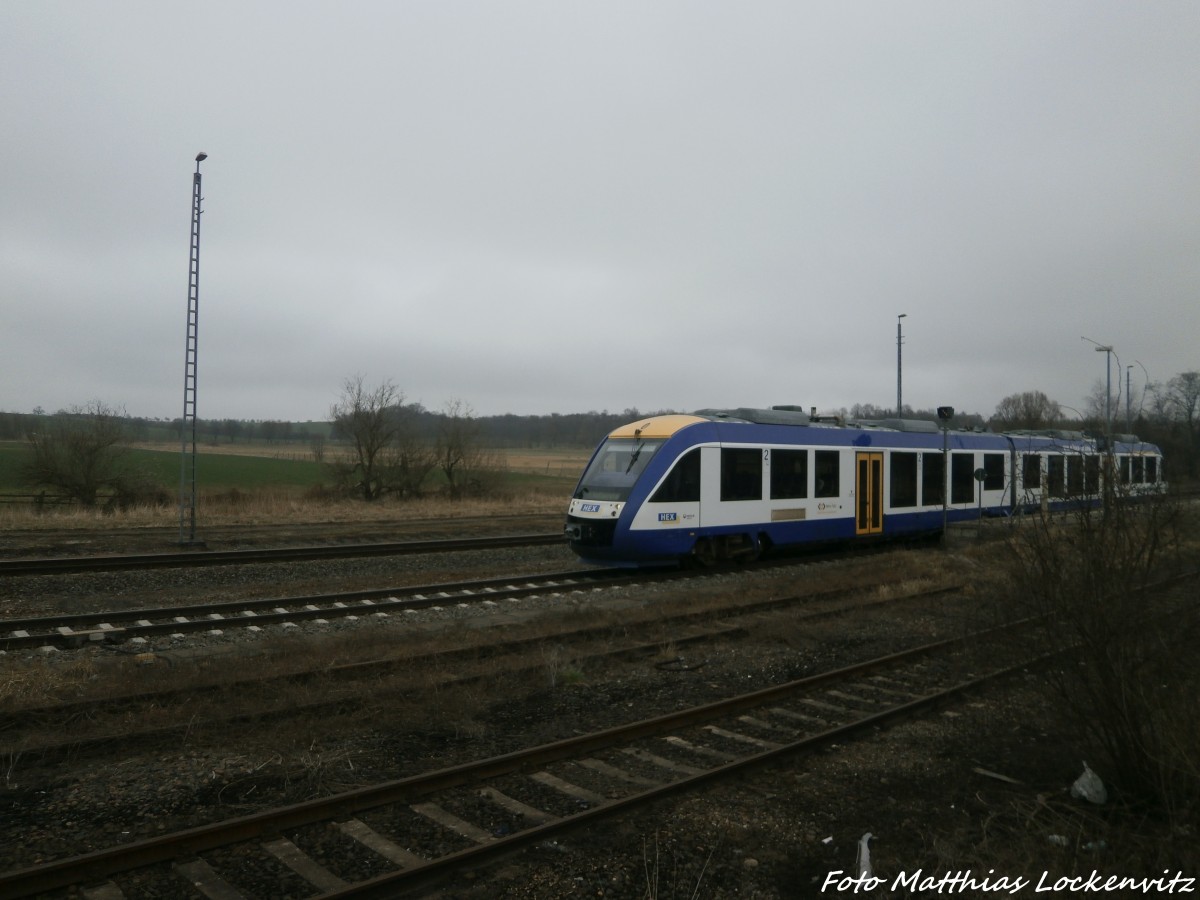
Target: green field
pixel 214 471
pixel 224 471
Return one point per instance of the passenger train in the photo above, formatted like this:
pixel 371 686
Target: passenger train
pixel 731 484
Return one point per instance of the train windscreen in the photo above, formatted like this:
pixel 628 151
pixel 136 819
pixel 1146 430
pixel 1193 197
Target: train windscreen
pixel 616 468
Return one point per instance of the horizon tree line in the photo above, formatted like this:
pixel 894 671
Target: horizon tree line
pixel 376 444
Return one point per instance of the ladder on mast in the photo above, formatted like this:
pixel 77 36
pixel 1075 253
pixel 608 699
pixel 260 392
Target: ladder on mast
pixel 187 464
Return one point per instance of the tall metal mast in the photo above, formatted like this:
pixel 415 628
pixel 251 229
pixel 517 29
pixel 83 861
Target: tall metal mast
pixel 187 462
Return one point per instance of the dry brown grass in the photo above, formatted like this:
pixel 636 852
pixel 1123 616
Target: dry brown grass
pixel 518 459
pixel 37 682
pixel 278 507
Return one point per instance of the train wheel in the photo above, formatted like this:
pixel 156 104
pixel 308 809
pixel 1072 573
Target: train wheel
pixel 748 550
pixel 704 553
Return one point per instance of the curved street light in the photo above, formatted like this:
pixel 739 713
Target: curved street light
pixel 1107 349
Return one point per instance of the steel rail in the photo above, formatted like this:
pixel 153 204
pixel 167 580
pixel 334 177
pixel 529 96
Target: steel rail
pixel 78 628
pixel 385 886
pixel 102 863
pixel 84 708
pixel 117 563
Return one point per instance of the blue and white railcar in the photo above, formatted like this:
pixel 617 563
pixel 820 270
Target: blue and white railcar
pixel 1055 469
pixel 730 484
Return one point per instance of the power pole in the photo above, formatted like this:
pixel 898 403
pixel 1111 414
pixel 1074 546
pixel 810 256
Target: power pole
pixel 187 461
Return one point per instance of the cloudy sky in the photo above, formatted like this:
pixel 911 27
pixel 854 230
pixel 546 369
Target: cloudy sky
pixel 557 206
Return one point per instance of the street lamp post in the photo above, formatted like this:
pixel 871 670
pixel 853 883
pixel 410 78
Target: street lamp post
pixel 1108 388
pixel 1110 460
pixel 899 368
pixel 1128 400
pixel 1108 350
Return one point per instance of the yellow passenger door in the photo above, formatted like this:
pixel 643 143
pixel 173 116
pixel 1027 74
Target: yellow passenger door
pixel 868 493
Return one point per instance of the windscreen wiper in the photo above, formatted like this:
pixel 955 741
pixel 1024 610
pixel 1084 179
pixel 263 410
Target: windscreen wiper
pixel 633 457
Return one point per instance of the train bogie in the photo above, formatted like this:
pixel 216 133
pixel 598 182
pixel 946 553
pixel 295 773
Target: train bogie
pixel 729 485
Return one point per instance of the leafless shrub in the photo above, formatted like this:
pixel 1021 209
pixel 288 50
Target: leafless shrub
pixel 1127 683
pixel 459 451
pixel 81 454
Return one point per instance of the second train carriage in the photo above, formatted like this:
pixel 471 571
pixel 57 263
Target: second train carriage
pixel 728 484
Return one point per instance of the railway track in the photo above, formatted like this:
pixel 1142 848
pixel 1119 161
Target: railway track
pixel 139 625
pixel 381 840
pixel 202 705
pixel 70 565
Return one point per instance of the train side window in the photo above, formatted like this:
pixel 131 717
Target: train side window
pixel 1124 463
pixel 1075 477
pixel 1151 470
pixel 933 479
pixel 1056 475
pixel 962 477
pixel 904 480
pixel 1138 469
pixel 789 474
pixel 993 471
pixel 741 473
pixel 828 475
pixel 1091 474
pixel 1031 471
pixel 682 484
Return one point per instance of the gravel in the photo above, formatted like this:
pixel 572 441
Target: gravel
pixel 777 832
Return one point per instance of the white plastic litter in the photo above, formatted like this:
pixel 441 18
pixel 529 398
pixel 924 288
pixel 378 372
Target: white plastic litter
pixel 1089 787
pixel 864 856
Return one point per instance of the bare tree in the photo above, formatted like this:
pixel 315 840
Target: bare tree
pixel 459 453
pixel 1155 402
pixel 460 450
pixel 316 444
pixel 1031 409
pixel 870 411
pixel 364 417
pixel 388 455
pixel 232 429
pixel 1099 408
pixel 1181 406
pixel 411 457
pixel 1183 396
pixel 80 453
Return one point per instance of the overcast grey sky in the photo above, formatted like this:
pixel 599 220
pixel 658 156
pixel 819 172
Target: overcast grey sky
pixel 538 207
